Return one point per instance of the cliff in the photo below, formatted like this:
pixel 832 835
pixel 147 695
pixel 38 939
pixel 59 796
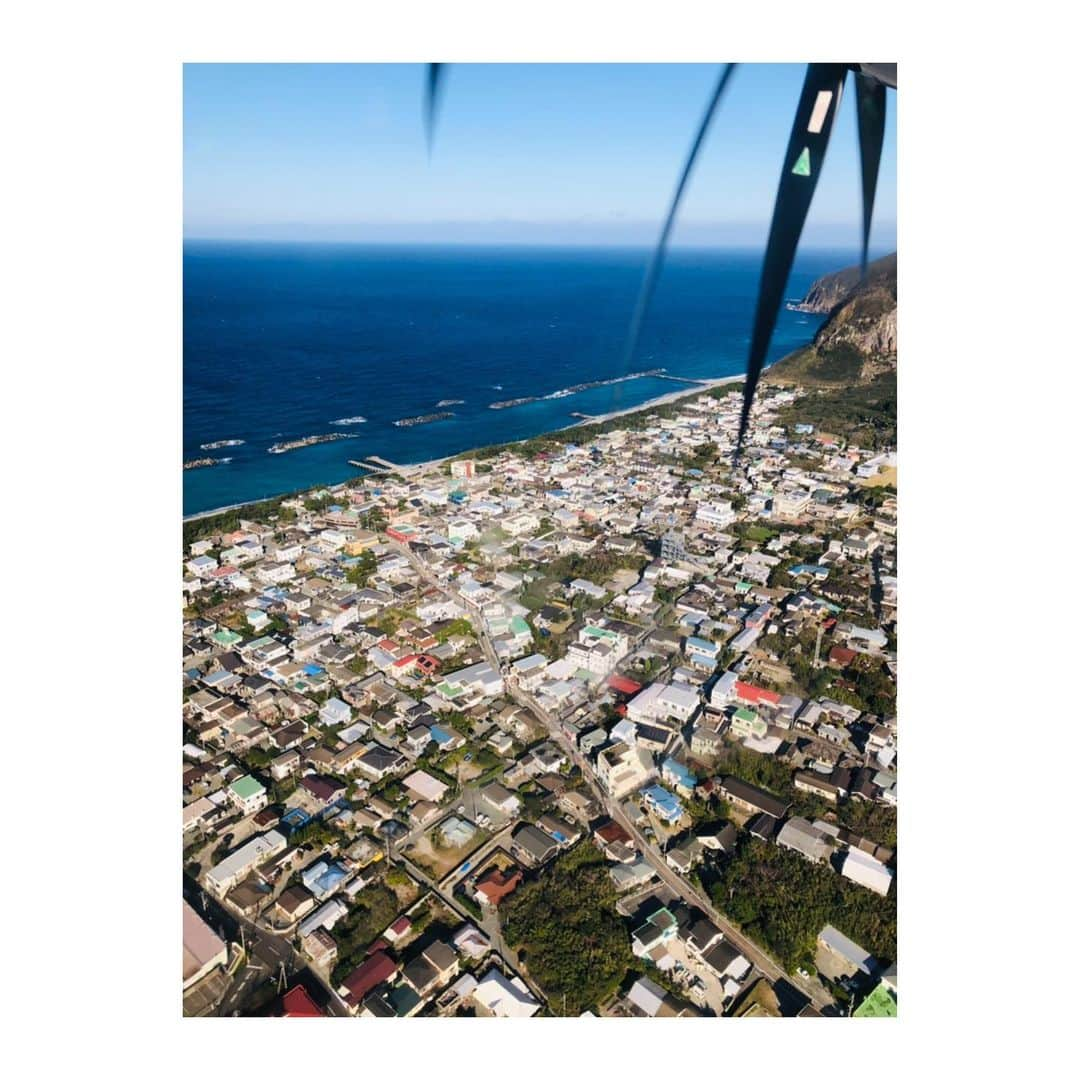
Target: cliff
pixel 857 342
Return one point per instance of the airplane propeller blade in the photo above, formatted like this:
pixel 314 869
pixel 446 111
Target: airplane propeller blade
pixel 652 272
pixel 809 139
pixel 435 75
pixel 870 113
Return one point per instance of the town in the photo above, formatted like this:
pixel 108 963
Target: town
pixel 599 723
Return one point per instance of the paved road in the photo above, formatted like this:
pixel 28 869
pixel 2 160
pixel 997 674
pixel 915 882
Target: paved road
pixel 266 952
pixel 761 960
pixel 446 895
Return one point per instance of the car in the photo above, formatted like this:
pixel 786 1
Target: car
pixel 803 972
pixel 468 756
pixel 461 809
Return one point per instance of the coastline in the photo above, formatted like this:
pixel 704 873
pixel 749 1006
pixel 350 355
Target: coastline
pixel 702 387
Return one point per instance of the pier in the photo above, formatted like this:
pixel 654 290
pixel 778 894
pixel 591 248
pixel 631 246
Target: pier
pixel 374 464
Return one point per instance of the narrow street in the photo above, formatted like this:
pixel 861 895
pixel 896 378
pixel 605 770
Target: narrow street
pixel 761 960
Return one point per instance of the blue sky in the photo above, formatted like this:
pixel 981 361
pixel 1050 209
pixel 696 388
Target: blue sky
pixel 524 153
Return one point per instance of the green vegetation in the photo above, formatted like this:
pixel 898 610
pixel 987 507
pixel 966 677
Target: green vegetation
pixel 782 901
pixel 359 574
pixel 839 362
pixel 229 520
pixel 574 942
pixel 596 567
pixel 862 413
pixel 457 628
pixel 374 910
pixel 875 821
pixel 758 533
pixel 315 834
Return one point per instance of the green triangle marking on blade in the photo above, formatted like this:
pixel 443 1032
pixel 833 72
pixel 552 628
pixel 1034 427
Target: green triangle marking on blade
pixel 802 166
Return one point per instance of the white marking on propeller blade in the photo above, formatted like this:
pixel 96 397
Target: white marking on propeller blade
pixel 821 110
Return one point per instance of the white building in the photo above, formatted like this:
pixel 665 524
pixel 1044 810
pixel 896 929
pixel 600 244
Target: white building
pixel 470 685
pixel 865 870
pixel 659 701
pixel 501 996
pixel 718 515
pixel 235 867
pixel 622 768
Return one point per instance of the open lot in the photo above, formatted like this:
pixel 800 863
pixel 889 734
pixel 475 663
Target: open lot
pixel 436 856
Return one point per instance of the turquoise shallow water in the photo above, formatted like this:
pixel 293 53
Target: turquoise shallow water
pixel 280 340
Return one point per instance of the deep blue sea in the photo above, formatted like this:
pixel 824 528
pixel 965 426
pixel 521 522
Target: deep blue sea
pixel 280 340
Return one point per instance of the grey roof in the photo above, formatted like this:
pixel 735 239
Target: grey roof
pixel 799 835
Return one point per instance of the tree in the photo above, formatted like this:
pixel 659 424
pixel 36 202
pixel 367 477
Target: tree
pixel 575 944
pixel 359 574
pixel 782 901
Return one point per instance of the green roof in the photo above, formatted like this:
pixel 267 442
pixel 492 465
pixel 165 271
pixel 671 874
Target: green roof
pixel 879 1003
pixel 226 637
pixel 745 714
pixel 246 787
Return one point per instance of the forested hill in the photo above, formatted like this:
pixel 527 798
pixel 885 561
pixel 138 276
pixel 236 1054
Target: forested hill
pixel 857 342
pixel 833 289
pixel 851 363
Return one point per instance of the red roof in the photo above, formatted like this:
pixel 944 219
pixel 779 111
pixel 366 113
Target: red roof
pixel 839 655
pixel 613 832
pixel 496 885
pixel 324 788
pixel 297 1002
pixel 756 694
pixel 623 684
pixel 368 975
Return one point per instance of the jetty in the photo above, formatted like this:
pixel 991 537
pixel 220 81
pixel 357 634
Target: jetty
pixel 374 464
pixel 684 379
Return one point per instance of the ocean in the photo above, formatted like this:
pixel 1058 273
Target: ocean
pixel 280 340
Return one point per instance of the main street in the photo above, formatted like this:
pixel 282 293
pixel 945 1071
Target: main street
pixel 761 960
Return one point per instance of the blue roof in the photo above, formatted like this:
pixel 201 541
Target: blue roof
pixel 809 568
pixel 295 817
pixel 312 669
pixel 439 735
pixel 701 643
pixel 667 805
pixel 685 777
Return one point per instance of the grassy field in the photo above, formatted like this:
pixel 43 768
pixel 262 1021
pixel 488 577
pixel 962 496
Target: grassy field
pixel 885 478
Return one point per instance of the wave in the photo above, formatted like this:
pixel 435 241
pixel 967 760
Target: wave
pixel 350 420
pixel 220 443
pixel 566 391
pixel 310 440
